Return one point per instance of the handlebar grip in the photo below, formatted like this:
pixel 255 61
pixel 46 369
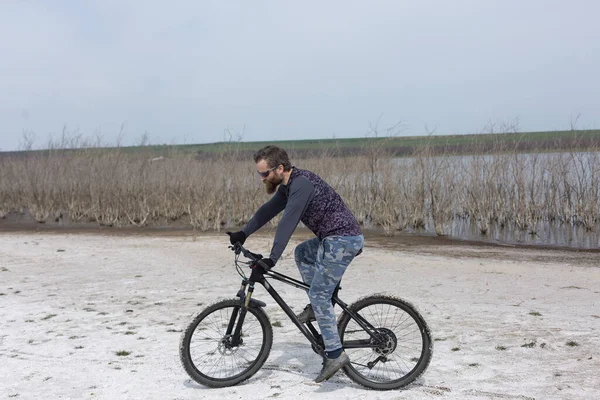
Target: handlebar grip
pixel 255 256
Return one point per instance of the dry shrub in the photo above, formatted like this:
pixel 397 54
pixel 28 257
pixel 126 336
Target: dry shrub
pixel 120 187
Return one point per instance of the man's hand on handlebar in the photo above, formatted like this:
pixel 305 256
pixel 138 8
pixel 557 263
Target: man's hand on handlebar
pixel 237 237
pixel 260 267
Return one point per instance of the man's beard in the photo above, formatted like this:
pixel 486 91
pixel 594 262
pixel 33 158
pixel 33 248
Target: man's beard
pixel 271 187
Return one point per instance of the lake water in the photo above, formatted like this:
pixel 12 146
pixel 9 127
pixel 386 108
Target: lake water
pixel 580 168
pixel 546 234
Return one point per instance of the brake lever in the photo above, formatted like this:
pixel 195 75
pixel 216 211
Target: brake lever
pixel 237 248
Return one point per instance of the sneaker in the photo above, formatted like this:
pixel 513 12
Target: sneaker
pixel 307 315
pixel 331 366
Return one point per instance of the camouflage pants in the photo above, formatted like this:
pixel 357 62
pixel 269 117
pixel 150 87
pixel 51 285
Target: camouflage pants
pixel 322 264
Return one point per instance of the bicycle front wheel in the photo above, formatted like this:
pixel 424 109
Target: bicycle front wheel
pixel 400 351
pixel 208 350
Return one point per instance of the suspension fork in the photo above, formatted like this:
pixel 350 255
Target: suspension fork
pixel 241 294
pixel 232 327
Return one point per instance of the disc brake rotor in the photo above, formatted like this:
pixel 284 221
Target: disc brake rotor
pixel 386 342
pixel 226 348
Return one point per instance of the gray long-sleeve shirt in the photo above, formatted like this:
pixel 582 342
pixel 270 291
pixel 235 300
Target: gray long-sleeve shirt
pixel 309 199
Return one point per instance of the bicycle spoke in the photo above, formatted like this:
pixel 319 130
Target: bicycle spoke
pixel 210 350
pixel 396 350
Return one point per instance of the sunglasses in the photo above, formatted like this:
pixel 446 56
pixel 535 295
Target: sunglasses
pixel 267 172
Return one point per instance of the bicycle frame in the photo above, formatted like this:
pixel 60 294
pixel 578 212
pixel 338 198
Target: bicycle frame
pixel 308 330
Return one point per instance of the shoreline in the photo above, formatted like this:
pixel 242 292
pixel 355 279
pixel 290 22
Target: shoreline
pixel 409 243
pixel 400 237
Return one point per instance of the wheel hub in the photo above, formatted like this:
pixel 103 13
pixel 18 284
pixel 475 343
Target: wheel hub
pixel 386 342
pixel 226 347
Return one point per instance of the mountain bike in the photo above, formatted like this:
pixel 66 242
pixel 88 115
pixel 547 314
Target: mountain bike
pixel 387 340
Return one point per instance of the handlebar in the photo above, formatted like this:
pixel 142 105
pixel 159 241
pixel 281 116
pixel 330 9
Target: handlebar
pixel 253 257
pixel 238 248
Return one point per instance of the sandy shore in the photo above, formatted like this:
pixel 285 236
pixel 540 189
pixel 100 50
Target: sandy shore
pixel 508 323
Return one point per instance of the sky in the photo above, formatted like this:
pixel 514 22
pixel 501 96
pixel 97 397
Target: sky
pixel 190 71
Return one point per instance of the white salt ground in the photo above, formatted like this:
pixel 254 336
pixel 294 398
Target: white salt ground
pixel 508 324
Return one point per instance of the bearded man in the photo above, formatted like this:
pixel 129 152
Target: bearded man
pixel 322 260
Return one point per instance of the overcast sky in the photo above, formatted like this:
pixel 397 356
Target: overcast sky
pixel 186 71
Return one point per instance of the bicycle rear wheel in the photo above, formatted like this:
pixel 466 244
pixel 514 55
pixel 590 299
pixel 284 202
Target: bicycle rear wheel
pixel 402 350
pixel 208 353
